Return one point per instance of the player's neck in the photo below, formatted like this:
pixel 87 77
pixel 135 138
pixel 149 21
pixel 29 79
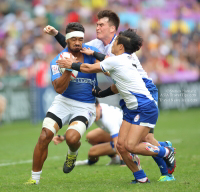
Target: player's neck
pixel 120 52
pixel 109 40
pixel 76 54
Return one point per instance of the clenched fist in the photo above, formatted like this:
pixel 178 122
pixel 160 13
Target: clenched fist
pixel 50 30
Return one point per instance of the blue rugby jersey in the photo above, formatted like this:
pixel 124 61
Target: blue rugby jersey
pixel 79 89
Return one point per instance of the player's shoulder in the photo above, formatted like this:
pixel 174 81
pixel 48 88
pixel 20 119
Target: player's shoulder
pixel 95 42
pixel 91 47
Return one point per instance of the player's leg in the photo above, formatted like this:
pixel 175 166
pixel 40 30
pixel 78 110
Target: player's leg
pixel 76 129
pixel 96 151
pixel 82 118
pixel 50 127
pixel 97 136
pixel 134 145
pixel 165 176
pixel 123 134
pixel 56 117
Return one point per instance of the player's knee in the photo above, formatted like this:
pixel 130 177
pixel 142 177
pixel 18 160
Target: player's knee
pixel 89 138
pixel 45 137
pixel 120 148
pixel 72 137
pixel 51 125
pixel 149 138
pixel 130 147
pixel 92 152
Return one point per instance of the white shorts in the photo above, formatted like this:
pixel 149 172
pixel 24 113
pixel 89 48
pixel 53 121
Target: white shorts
pixel 67 109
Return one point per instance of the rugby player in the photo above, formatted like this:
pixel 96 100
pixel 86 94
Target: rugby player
pixel 74 105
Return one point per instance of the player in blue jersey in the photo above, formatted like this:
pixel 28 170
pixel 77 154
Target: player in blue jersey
pixel 140 111
pixel 74 105
pixel 106 30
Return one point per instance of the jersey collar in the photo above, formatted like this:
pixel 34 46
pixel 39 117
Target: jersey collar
pixel 112 38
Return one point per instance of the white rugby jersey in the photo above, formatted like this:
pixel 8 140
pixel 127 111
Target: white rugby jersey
pixel 107 51
pixel 111 119
pixel 127 80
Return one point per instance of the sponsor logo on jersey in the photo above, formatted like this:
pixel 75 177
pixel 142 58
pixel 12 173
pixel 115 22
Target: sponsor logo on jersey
pixel 137 117
pixel 55 69
pixel 84 80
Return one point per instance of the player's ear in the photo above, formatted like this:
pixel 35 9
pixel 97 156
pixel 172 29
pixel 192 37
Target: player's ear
pixel 112 28
pixel 121 46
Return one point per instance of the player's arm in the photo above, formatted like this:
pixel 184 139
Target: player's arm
pixel 81 67
pixel 97 55
pixel 58 36
pixel 97 92
pixel 61 84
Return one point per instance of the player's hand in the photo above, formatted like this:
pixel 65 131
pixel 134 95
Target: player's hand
pixel 50 30
pixel 87 51
pixel 66 62
pixel 58 139
pixel 107 74
pixel 96 91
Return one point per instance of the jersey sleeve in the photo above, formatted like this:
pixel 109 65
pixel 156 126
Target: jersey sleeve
pixel 107 64
pixel 55 73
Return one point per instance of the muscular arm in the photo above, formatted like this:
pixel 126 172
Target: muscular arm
pixel 62 83
pixel 88 68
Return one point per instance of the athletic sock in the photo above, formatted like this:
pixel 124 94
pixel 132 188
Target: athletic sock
pixel 91 162
pixel 163 144
pixel 36 176
pixel 161 164
pixel 111 156
pixel 162 151
pixel 167 152
pixel 72 153
pixel 140 176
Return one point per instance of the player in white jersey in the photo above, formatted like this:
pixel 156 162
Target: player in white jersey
pixel 106 30
pixel 140 111
pixel 74 105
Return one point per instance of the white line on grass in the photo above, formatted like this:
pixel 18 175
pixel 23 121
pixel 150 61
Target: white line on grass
pixel 28 161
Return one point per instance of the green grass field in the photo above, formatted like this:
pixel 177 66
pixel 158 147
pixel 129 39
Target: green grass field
pixel 18 140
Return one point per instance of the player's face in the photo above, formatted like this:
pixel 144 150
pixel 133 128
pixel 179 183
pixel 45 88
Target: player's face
pixel 115 47
pixel 75 44
pixel 103 29
pixel 98 112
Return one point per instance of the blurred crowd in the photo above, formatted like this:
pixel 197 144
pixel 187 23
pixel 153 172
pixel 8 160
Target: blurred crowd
pixel 170 29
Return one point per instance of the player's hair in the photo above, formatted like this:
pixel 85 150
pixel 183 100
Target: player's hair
pixel 74 26
pixel 112 16
pixel 97 102
pixel 131 41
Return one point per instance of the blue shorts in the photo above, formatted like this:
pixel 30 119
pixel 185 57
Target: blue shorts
pixel 144 116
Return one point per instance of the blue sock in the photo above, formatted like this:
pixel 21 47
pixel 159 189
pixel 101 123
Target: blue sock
pixel 139 174
pixel 161 164
pixel 163 144
pixel 161 152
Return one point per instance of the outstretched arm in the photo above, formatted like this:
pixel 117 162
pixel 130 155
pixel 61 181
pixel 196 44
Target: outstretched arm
pixel 58 36
pixel 82 67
